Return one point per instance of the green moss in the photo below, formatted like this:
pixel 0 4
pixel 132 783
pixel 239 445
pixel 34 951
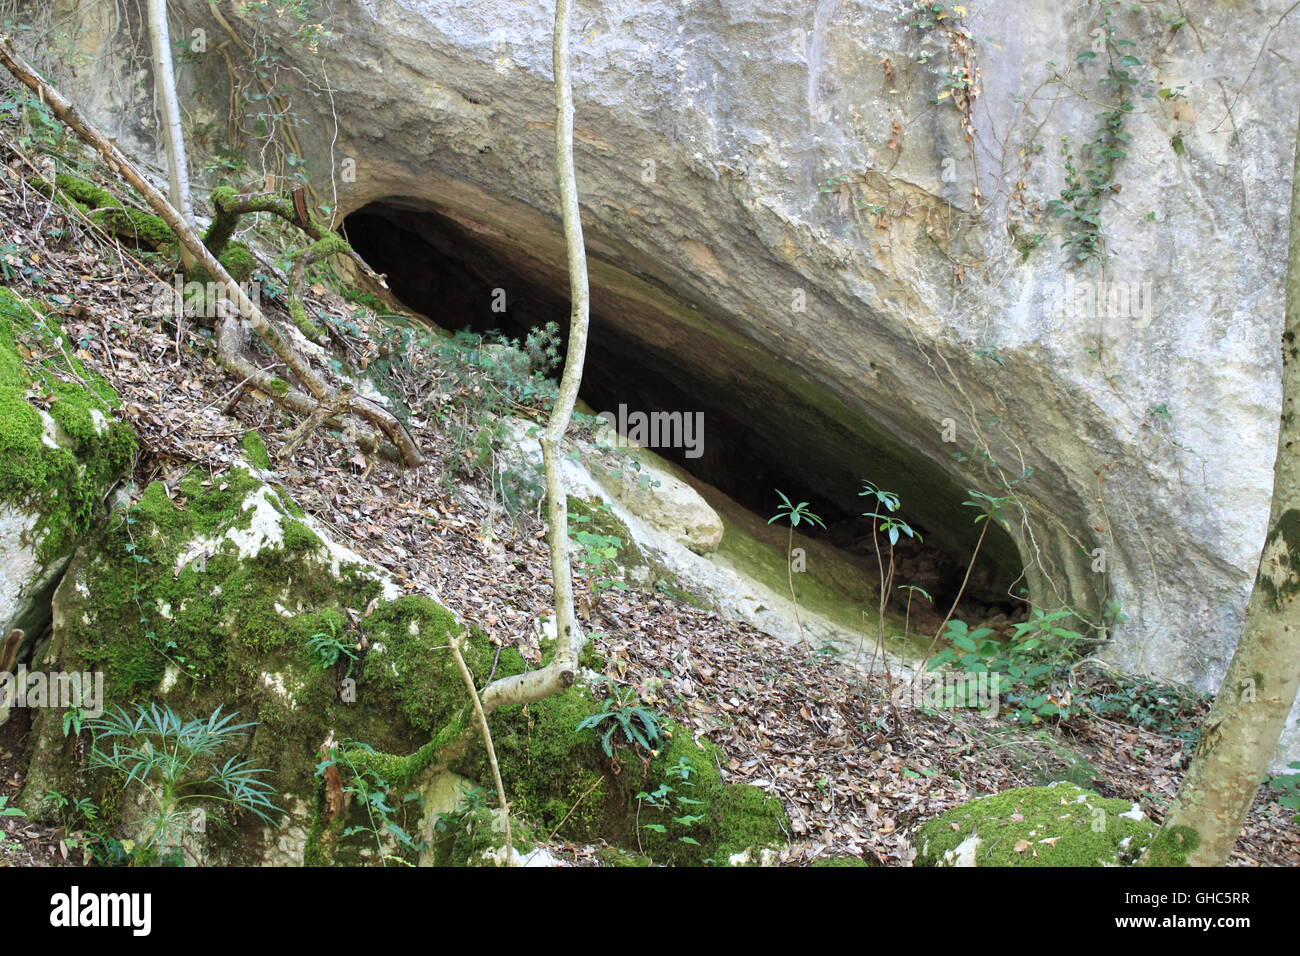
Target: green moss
pixel 278 386
pixel 615 856
pixel 255 448
pixel 223 195
pixel 1057 825
pixel 417 668
pixel 477 836
pixel 87 193
pixel 561 781
pixel 134 224
pixel 174 600
pixel 290 506
pixel 556 774
pixel 224 222
pixel 309 328
pixel 589 656
pixel 839 861
pixel 1172 846
pixel 745 819
pixel 328 245
pixel 401 769
pixel 64 485
pixel 237 259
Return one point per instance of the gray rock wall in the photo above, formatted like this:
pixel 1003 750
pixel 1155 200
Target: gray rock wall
pixel 736 156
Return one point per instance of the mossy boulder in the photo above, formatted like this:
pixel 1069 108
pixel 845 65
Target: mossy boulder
pixel 61 451
pixel 477 838
pixel 561 780
pixel 219 592
pixel 1058 825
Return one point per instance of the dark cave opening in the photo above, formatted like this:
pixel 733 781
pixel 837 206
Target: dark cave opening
pixel 437 268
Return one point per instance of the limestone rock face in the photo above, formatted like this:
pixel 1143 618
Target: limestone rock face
pixel 832 223
pixel 653 493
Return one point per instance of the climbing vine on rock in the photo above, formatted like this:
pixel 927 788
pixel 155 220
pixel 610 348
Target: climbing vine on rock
pixel 1090 176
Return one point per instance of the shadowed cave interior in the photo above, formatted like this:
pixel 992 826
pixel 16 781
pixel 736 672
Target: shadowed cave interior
pixel 758 435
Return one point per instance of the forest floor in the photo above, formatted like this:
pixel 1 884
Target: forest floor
pixel 808 727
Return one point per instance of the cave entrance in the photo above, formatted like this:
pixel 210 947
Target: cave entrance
pixel 763 429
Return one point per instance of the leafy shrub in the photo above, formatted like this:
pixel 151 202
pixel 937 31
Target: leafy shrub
pixel 1028 670
pixel 1174 710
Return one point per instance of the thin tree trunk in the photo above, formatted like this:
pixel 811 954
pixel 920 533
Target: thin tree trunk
pixel 1243 726
pixel 178 175
pixel 560 672
pixel 468 678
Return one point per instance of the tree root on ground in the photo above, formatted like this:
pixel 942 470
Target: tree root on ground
pixel 229 329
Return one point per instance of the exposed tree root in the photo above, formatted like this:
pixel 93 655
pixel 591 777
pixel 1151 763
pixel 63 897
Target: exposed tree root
pixel 317 390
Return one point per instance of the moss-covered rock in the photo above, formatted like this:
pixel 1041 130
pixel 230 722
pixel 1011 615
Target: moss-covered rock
pixel 1057 825
pixel 477 838
pixel 213 594
pixel 839 861
pixel 61 451
pixel 561 781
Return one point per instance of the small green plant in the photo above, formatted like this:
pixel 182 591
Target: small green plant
pixel 326 649
pixel 73 718
pixel 1081 200
pixel 479 381
pixel 1174 710
pixel 175 763
pixel 794 514
pixel 596 553
pixel 673 803
pixel 884 518
pixel 622 712
pixel 81 819
pixel 1028 670
pixel 8 811
pixel 364 785
pixel 475 798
